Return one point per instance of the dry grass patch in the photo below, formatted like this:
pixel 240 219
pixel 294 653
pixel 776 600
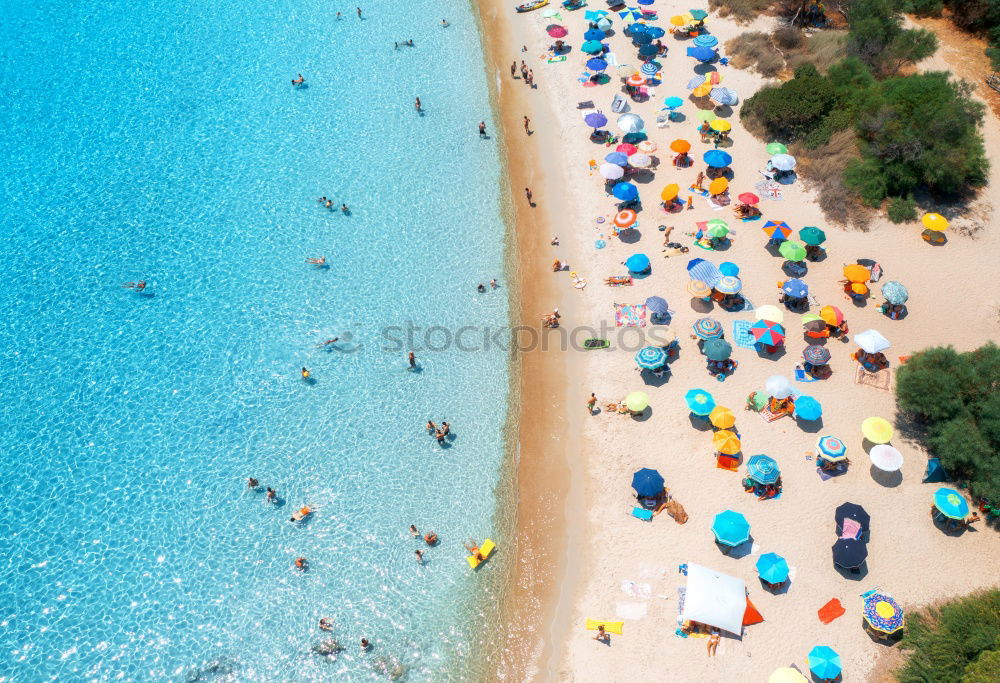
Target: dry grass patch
pixel 824 168
pixel 740 10
pixel 755 50
pixel 823 49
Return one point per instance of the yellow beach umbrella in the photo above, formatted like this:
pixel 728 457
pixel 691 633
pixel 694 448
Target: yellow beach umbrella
pixel 769 312
pixel 681 19
pixel 857 273
pixel 726 442
pixel 721 125
pixel 637 401
pixel 699 289
pixel 787 674
pixel 934 221
pixel 877 430
pixel 722 417
pixel 702 90
pixel 670 192
pixel 718 186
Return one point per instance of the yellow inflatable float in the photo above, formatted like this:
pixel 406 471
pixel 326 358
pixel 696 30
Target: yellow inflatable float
pixel 609 626
pixel 485 550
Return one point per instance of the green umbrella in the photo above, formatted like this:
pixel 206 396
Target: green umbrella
pixel 717 228
pixel 718 349
pixel 698 14
pixel 812 235
pixel 758 400
pixel 792 250
pixel 706 115
pixel 776 148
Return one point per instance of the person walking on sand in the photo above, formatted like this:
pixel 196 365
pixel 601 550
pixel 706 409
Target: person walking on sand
pixel 531 78
pixel 713 641
pixel 513 69
pixel 591 402
pixel 524 70
pixel 527 125
pixel 527 193
pixel 482 129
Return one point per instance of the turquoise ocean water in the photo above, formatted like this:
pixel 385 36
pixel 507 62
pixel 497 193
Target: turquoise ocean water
pixel 162 140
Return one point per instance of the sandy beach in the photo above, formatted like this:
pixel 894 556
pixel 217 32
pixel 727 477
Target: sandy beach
pixel 580 554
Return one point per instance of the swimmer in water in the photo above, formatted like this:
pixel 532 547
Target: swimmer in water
pixel 431 427
pixel 444 23
pixel 417 104
pixel 329 204
pixel 430 538
pixel 446 428
pixel 480 288
pixel 298 81
pixel 420 556
pixel 439 435
pixel 328 342
pixel 365 644
pixel 413 531
pixel 137 286
pixel 473 549
pixel 300 514
pixel 321 200
pixel 321 261
pixel 252 484
pixel 344 210
pixel 305 373
pixel 271 496
pixel 301 563
pixel 412 360
pixel 493 284
pixel 325 624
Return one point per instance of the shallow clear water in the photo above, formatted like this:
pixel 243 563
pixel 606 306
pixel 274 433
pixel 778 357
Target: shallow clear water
pixel 163 141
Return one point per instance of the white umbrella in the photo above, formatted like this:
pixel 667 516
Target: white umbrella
pixel 886 458
pixel 630 123
pixel 639 161
pixel 604 23
pixel 783 162
pixel 779 386
pixel 871 341
pixel 612 171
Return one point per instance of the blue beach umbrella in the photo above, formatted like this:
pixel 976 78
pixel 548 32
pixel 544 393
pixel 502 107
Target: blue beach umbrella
pixel 716 158
pixel 625 191
pixel 641 39
pixel 672 102
pixel 895 293
pixel 731 528
pixel 647 482
pixel 772 568
pixel 729 269
pixel 831 448
pixel 596 120
pixel 594 15
pixel 617 158
pixel 592 47
pixel 707 328
pixel 597 64
pixel 630 14
pixel 728 284
pixel 695 82
pixel 604 23
pixel 778 230
pixel 724 96
pixel 645 2
pixel 951 503
pixel 807 408
pixel 824 662
pixel 702 54
pixel 594 34
pixel 763 469
pixel 698 14
pixel 767 332
pixel 699 401
pixel 706 40
pixel 657 305
pixel 637 263
pixel 655 32
pixel 700 269
pixel 648 50
pixel 797 289
pixel 650 68
pixel 651 357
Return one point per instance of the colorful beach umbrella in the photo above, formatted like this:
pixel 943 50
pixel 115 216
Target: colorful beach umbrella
pixel 718 186
pixel 647 146
pixel 716 158
pixel 680 146
pixel 720 125
pixel 934 221
pixel 950 503
pixel 725 442
pixel 611 171
pixel 773 148
pixel 708 328
pixel 702 54
pixel 596 64
pixel 596 120
pixel 651 357
pixel 706 271
pixel 767 332
pixel 657 305
pixel 630 123
pixel 796 289
pixel 855 272
pixel 812 235
pixel 672 102
pixel 717 349
pixel 557 31
pixel 729 284
pixel 779 386
pixel 724 96
pixel 702 89
pixel 604 23
pixel 877 430
pixel 792 250
pixel 647 482
pixel 777 230
pixel 813 323
pixel 852 511
pixel 783 162
pixel 635 80
pixel 749 198
pixel 816 355
pixel 886 458
pixel 772 568
pixel 722 417
pixel 895 293
pixel 699 289
pixel 630 15
pixel 705 40
pixel 763 469
pixel 681 19
pixel 849 553
pixel 807 408
pixel 831 315
pixel 824 663
pixel 731 528
pixel 699 401
pixel 769 312
pixel 625 218
pixel 831 448
pixel 871 341
pixel 627 148
pixel 650 68
pixel 637 263
pixel 637 401
pixel 625 192
pixel 669 193
pixel 882 612
pixel 592 47
pixel 595 15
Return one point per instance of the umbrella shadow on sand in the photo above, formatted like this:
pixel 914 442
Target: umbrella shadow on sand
pixel 643 176
pixel 889 480
pixel 651 380
pixel 776 590
pixel 702 305
pixel 700 423
pixel 855 574
pixel 703 69
pixel 737 552
pixel 630 236
pixel 810 426
pixel 644 415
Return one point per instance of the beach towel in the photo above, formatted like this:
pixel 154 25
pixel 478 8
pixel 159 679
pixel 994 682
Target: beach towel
pixel 850 529
pixel 727 462
pixel 831 611
pixel 630 315
pixel 695 190
pixel 636 590
pixel 768 189
pixel 631 610
pixel 801 376
pixel 556 58
pixel 741 334
pixel 768 416
pixel 752 218
pixel 644 515
pixel 881 380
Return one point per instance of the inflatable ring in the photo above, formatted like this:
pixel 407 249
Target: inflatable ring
pixel 600 219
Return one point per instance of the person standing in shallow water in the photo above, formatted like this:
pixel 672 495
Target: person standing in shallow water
pixel 412 360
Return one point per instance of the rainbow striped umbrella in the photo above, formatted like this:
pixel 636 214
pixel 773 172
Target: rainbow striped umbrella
pixel 882 612
pixel 708 328
pixel 816 355
pixel 728 284
pixel 831 448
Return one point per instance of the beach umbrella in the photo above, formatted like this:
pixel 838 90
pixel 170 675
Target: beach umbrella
pixel 779 386
pixel 696 82
pixel 634 29
pixel 617 158
pixel 705 115
pixel 681 19
pixel 717 227
pixel 669 193
pixel 699 401
pixel 886 458
pixel 725 442
pixel 672 102
pixel 592 47
pixel 597 64
pixel 642 39
pixel 717 349
pixel 702 54
pixel 557 31
pixel 895 293
pixel 604 23
pixel 786 674
pixel 729 269
pixel 767 332
pixel 877 430
pixel 849 553
pixel 871 341
pixel 722 417
pixel 637 401
pixel 813 323
pixel 859 288
pixel 713 77
pixel 773 148
pixel 716 158
pixel 650 68
pixel 680 146
pixel 698 14
pixel 771 567
pixel 718 186
pixel 728 284
pixel 639 160
pixel 769 312
pixel 807 408
pixel 816 355
pixel 833 449
pixel 783 162
pixel 647 146
pixel 792 250
pixel 625 192
pixel 637 263
pixel 797 289
pixel 702 89
pixel 596 120
pixel 812 235
pixel 595 15
pixel 777 230
pixel 630 123
pixel 625 218
pixel 934 221
pixel 705 40
pixel 700 269
pixel 630 15
pixel 749 198
pixel 635 80
pixel 725 96
pixel 950 503
pixel 648 50
pixel 763 469
pixel 651 357
pixel 657 305
pixel 720 125
pixel 731 528
pixel 852 511
pixel 699 289
pixel 647 482
pixel 627 149
pixel 856 272
pixel 831 315
pixel 655 31
pixel 594 34
pixel 824 663
pixel 611 171
pixel 708 328
pixel 882 612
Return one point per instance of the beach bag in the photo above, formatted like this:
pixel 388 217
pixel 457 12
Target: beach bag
pixel 676 510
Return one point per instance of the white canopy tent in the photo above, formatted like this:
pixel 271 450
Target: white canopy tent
pixel 715 599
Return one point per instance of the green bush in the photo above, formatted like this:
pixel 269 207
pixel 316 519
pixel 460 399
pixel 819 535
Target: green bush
pixel 865 178
pixel 902 209
pixel 923 8
pixel 878 38
pixel 794 108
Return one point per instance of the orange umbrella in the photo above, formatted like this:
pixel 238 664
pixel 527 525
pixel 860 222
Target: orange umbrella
pixel 702 90
pixel 698 289
pixel 726 442
pixel 718 186
pixel 625 218
pixel 722 417
pixel 857 273
pixel 859 288
pixel 670 192
pixel 680 146
pixel 831 315
pixel 635 80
